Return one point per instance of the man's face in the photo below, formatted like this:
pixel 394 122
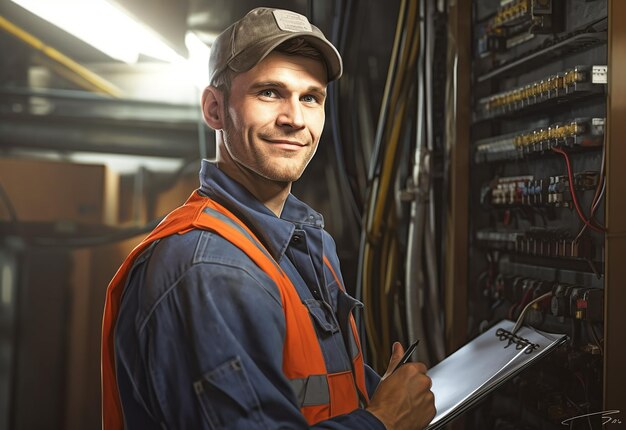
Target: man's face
pixel 275 115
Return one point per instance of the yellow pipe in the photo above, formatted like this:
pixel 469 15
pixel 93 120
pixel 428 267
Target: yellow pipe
pixel 84 77
pixel 411 38
pixel 390 155
pixel 387 172
pixel 388 269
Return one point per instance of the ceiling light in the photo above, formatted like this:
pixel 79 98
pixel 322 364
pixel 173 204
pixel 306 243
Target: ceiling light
pixel 198 62
pixel 105 26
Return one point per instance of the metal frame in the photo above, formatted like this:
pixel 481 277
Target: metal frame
pixel 62 120
pixel 615 241
pixel 456 234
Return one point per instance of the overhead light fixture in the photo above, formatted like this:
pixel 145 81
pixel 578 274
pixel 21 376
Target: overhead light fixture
pixel 105 26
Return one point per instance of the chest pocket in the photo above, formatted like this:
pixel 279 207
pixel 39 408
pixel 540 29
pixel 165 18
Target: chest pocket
pixel 323 318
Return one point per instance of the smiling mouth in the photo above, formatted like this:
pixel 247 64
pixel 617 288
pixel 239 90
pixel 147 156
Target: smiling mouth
pixel 285 142
pixel 286 145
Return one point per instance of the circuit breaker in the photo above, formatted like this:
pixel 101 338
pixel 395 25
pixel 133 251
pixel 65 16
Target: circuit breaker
pixel 538 94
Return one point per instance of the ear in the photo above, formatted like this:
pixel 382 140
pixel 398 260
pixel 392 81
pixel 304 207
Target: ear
pixel 212 107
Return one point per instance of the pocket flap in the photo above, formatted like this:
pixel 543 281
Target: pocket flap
pixel 230 379
pixel 322 316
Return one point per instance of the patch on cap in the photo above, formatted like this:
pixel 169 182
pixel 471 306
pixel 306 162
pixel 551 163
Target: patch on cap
pixel 291 21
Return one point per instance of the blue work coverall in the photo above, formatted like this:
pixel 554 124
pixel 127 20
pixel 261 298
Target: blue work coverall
pixel 199 335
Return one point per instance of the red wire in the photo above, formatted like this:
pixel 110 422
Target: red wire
pixel 574 199
pixel 526 297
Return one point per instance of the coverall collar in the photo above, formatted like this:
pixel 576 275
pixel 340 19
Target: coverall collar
pixel 274 232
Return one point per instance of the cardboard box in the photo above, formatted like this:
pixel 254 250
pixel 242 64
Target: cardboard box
pixel 175 196
pixel 52 191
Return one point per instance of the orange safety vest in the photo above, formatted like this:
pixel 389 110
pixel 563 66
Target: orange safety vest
pixel 303 360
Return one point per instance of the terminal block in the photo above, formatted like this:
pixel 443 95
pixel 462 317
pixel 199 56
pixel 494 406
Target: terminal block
pixel 539 242
pixel 578 133
pixel 527 190
pixel 516 21
pixel 570 84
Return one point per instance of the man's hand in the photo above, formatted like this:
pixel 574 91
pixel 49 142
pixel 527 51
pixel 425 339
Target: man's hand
pixel 403 400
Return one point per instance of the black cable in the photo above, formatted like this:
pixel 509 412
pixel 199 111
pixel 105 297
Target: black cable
pixel 344 30
pixel 337 24
pixel 81 242
pixel 350 143
pixel 333 95
pixel 166 183
pixel 359 101
pixel 337 145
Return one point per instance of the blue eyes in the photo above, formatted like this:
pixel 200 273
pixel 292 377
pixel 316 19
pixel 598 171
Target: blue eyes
pixel 268 93
pixel 309 99
pixel 271 94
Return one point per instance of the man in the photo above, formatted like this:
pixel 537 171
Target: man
pixel 232 313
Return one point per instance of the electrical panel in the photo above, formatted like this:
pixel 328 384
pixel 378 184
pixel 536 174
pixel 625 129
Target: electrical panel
pixel 539 87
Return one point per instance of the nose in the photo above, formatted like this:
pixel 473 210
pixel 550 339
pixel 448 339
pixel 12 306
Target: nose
pixel 291 114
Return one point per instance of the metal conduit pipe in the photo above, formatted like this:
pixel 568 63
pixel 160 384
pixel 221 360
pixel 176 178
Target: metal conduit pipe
pixel 435 310
pixel 414 270
pixel 76 73
pixel 435 331
pixel 414 285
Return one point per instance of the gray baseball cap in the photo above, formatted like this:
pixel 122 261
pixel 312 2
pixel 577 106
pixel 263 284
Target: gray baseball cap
pixel 248 41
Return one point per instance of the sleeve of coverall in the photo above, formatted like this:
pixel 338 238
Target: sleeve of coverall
pixel 372 379
pixel 215 355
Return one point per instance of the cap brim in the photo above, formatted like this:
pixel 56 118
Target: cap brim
pixel 250 57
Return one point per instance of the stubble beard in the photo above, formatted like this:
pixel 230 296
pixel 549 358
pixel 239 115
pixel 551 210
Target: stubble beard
pixel 253 160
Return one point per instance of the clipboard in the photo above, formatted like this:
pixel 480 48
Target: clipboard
pixel 475 370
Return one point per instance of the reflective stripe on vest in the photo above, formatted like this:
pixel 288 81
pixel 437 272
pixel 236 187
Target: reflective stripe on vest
pixel 320 395
pixel 311 391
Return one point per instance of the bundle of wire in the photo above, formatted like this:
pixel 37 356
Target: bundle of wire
pixel 587 222
pixel 379 264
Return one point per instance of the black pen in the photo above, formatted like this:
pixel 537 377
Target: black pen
pixel 407 354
